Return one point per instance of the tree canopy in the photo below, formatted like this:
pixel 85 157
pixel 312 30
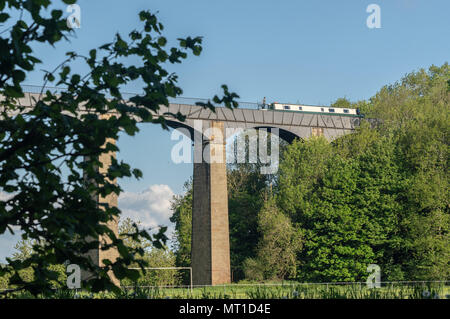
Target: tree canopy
pixel 49 154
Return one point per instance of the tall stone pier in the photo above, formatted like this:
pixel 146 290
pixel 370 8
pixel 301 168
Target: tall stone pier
pixel 98 255
pixel 210 254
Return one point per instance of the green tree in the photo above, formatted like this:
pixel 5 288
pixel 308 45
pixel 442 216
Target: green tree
pixel 429 240
pixel 342 102
pixel 157 258
pixel 162 258
pixel 246 191
pixel 278 246
pixel 182 218
pixel 128 227
pixel 302 166
pixel 415 112
pixel 153 257
pixel 24 249
pixel 379 195
pixel 345 206
pixel 37 144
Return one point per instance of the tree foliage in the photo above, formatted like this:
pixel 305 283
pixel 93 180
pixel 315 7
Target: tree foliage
pixel 153 257
pixel 182 218
pixel 49 154
pixel 379 195
pixel 246 191
pixel 277 248
pixel 126 227
pixel 347 209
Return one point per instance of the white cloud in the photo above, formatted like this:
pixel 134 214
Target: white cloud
pixel 5 196
pixel 151 207
pixel 8 240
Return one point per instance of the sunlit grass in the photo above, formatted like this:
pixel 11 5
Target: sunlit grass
pixel 267 291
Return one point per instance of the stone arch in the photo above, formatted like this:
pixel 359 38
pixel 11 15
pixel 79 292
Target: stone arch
pixel 284 134
pixel 176 125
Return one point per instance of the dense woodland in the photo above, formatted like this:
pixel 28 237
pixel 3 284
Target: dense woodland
pixel 378 196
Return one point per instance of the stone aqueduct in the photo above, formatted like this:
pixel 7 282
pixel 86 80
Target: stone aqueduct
pixel 210 258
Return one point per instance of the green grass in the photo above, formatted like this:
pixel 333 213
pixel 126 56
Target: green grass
pixel 267 291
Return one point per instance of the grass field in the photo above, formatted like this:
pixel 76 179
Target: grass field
pixel 269 291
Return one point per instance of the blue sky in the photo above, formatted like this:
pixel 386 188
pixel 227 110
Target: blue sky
pixel 311 52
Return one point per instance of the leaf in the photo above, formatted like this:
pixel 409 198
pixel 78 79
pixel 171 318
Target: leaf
pixel 12 91
pixel 4 17
pixel 56 14
pixel 162 41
